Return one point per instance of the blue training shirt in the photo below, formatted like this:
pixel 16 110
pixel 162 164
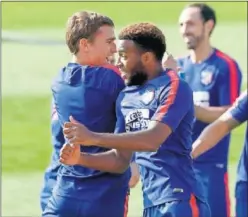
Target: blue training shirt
pixel 89 94
pixel 166 174
pixel 215 82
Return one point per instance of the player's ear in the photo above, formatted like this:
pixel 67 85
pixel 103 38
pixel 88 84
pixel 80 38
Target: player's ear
pixel 84 44
pixel 147 57
pixel 209 25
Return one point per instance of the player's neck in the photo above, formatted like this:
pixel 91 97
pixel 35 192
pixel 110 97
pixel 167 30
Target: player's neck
pixel 201 53
pixel 81 60
pixel 155 72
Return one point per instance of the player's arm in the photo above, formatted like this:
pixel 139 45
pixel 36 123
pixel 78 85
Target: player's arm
pixel 174 103
pixel 135 175
pixel 113 161
pixel 146 140
pixel 208 114
pixel 228 89
pixel 212 134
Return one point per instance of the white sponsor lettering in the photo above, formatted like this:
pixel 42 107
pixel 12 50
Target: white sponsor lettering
pixel 201 98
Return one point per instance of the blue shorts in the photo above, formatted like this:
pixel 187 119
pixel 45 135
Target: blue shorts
pixel 50 179
pixel 241 193
pixel 214 178
pixel 59 206
pixel 74 197
pixel 179 208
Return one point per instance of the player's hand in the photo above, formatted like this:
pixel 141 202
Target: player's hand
pixel 70 154
pixel 77 133
pixel 170 62
pixel 134 180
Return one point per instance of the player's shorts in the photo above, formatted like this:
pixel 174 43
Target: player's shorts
pixel 214 178
pixel 46 191
pixel 179 208
pixel 241 193
pixel 73 198
pixel 50 179
pixel 59 206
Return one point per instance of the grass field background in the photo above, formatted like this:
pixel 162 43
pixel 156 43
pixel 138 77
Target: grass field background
pixel 27 71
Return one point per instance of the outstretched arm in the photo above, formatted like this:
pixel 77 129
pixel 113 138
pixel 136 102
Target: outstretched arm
pixel 146 140
pixel 209 114
pixel 212 134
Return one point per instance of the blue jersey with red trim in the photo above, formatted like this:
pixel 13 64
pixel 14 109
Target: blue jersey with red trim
pixel 239 111
pixel 166 174
pixel 88 94
pixel 215 82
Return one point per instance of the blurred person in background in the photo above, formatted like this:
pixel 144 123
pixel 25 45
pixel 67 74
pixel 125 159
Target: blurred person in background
pixel 215 79
pixel 212 134
pixel 87 88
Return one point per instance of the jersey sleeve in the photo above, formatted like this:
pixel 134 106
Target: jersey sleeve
pixel 120 125
pixel 229 83
pixel 239 110
pixel 174 102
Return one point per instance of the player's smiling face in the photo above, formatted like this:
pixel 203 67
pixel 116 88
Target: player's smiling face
pixel 102 46
pixel 130 63
pixel 192 27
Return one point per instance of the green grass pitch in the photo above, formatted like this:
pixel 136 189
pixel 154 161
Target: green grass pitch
pixel 27 71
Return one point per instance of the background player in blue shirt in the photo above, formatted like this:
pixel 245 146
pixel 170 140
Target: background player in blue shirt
pixel 215 132
pixel 89 91
pixel 215 79
pixel 156 111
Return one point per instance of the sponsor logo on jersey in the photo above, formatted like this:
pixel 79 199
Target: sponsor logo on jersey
pixel 201 98
pixel 137 120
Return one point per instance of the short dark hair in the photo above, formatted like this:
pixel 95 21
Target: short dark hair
pixel 207 13
pixel 84 24
pixel 146 36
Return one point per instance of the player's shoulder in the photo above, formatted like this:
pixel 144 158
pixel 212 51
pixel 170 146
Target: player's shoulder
pixel 171 79
pixel 239 109
pixel 106 77
pixel 69 73
pixel 224 58
pixel 109 72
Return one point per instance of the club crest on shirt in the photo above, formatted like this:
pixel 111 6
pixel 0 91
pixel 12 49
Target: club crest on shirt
pixel 148 96
pixel 206 77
